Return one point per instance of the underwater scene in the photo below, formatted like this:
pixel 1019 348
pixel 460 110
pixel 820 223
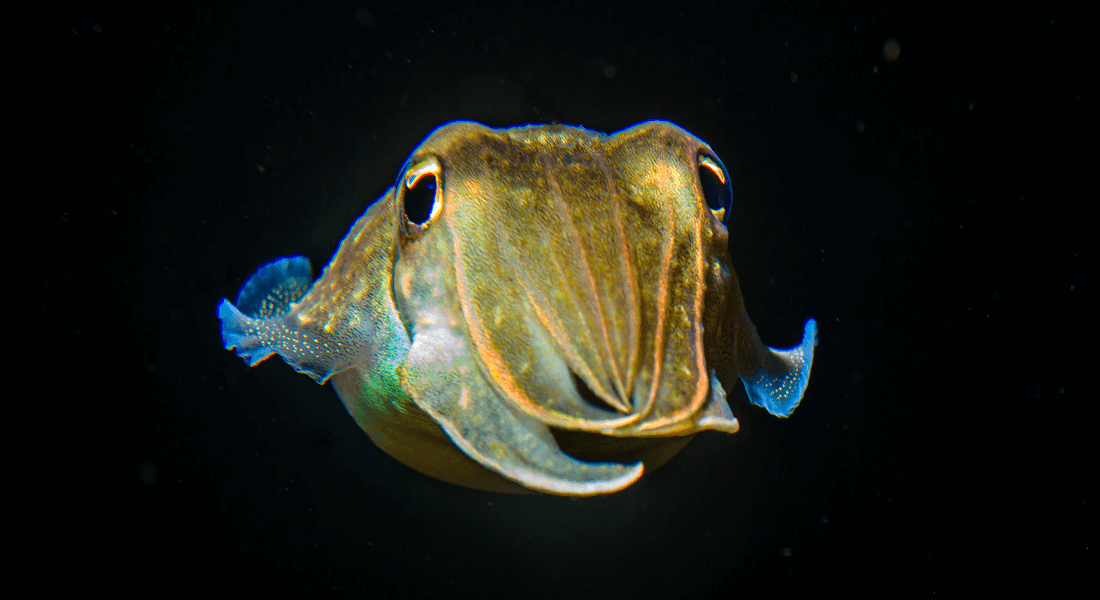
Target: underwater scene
pixel 472 300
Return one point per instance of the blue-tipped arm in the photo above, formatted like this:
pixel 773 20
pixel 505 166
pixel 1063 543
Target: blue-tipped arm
pixel 253 328
pixel 781 381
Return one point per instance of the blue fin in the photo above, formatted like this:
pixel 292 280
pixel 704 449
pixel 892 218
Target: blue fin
pixel 779 385
pixel 267 294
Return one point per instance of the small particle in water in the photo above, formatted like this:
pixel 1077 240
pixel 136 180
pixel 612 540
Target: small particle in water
pixel 147 472
pixel 891 49
pixel 365 18
pixel 794 77
pixel 860 127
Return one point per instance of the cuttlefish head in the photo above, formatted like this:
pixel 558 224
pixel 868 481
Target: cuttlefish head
pixel 546 280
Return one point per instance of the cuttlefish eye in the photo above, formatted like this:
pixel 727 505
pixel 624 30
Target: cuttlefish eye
pixel 420 195
pixel 715 184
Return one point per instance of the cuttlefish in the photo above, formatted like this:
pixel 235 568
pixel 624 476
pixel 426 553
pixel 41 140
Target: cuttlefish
pixel 541 308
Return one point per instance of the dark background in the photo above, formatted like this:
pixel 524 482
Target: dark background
pixel 927 212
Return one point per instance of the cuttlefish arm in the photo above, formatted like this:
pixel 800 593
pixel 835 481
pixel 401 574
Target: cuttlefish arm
pixel 445 382
pixel 345 319
pixel 776 379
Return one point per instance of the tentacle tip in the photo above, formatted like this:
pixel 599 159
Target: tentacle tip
pixel 809 335
pixel 779 387
pixel 237 337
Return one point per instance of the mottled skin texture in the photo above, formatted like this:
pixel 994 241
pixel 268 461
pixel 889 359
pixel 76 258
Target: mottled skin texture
pixel 569 291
